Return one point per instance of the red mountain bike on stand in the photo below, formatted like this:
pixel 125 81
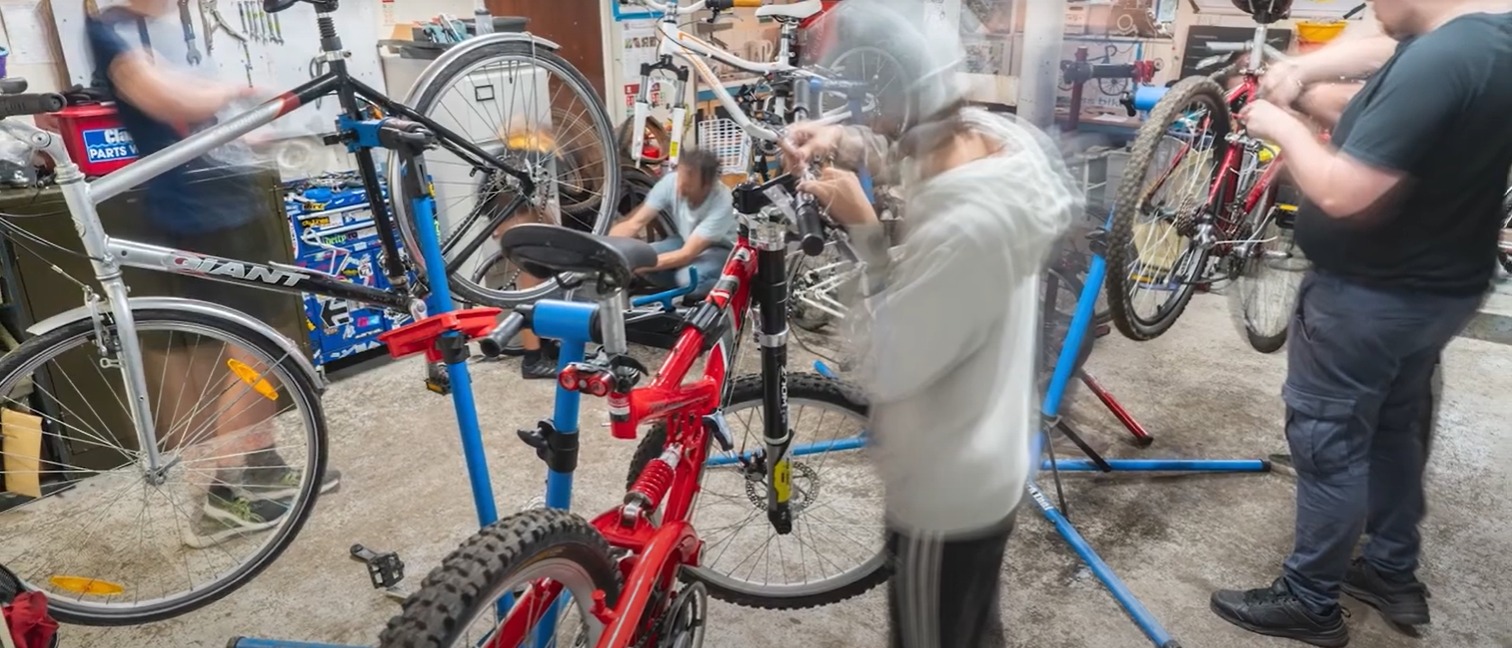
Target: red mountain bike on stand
pixel 547 575
pixel 1198 205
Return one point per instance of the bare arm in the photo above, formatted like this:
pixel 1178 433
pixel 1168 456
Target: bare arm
pixel 635 222
pixel 1354 58
pixel 683 256
pixel 1325 102
pixel 167 97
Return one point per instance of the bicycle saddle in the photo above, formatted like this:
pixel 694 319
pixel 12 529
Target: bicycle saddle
pixel 796 10
pixel 275 6
pixel 548 250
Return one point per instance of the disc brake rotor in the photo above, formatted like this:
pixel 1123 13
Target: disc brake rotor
pixel 805 488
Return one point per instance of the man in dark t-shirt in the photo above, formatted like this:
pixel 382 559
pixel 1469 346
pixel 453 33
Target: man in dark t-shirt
pixel 202 207
pixel 1401 223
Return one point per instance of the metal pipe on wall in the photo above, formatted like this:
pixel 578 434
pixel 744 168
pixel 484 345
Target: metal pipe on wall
pixel 1044 33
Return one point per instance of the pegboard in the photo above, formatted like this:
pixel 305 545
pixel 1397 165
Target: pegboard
pixel 272 66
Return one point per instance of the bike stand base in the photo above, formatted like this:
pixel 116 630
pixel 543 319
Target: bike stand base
pixel 250 642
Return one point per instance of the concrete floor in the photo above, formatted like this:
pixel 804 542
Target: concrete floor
pixel 1199 389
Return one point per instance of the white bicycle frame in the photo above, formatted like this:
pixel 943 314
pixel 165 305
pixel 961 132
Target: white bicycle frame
pixel 691 51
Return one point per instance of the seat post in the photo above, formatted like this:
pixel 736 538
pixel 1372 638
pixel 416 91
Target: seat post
pixel 611 313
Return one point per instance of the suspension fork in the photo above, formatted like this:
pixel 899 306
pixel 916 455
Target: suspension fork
pixel 771 292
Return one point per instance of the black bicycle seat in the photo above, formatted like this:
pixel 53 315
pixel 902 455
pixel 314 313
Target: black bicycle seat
pixel 548 250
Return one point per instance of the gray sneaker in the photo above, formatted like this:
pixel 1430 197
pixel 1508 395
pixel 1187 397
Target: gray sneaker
pixel 227 515
pixel 282 482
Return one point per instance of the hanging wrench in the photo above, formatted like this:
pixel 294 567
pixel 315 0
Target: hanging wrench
pixel 214 21
pixel 193 56
pixel 277 30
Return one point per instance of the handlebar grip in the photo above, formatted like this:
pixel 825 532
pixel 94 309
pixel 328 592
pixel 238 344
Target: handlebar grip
pixel 719 5
pixel 810 229
pixel 31 104
pixel 492 345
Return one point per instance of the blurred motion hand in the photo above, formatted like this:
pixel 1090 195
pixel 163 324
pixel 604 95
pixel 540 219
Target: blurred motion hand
pixel 841 193
pixel 1282 83
pixel 1265 120
pixel 806 141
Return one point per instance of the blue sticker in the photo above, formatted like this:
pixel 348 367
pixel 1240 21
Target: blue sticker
pixel 109 145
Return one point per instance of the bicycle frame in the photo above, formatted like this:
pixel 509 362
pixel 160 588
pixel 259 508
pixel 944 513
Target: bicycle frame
pixel 691 411
pixel 676 44
pixel 109 255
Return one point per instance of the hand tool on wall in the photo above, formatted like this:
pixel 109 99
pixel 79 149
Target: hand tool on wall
pixel 193 56
pixel 277 30
pixel 144 35
pixel 214 21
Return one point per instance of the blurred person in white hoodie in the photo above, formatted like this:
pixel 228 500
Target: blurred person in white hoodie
pixel 953 322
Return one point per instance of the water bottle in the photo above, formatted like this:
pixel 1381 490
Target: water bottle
pixel 482 20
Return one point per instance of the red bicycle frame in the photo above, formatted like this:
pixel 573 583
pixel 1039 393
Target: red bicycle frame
pixel 1227 181
pixel 657 549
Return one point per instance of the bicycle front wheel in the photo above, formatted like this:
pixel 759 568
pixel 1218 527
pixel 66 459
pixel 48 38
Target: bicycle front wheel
pixel 1266 281
pixel 835 550
pixel 529 108
pixel 548 560
pixel 112 541
pixel 1155 257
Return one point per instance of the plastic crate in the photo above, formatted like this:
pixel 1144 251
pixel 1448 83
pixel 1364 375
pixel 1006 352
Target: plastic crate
pixel 724 138
pixel 94 137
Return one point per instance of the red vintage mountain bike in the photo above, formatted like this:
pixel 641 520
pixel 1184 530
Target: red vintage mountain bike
pixel 1198 204
pixel 639 574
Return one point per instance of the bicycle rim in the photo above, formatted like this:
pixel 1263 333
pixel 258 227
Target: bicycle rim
pixel 1265 288
pixel 531 109
pixel 835 550
pixel 105 541
pixel 1155 258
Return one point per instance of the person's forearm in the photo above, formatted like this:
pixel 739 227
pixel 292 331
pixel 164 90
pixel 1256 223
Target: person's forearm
pixel 1355 58
pixel 1325 102
pixel 860 148
pixel 1311 164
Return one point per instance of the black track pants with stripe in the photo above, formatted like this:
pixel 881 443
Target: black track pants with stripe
pixel 944 593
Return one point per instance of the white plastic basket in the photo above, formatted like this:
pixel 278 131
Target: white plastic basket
pixel 724 138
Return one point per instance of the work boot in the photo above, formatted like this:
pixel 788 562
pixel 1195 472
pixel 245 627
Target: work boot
pixel 1402 603
pixel 1276 612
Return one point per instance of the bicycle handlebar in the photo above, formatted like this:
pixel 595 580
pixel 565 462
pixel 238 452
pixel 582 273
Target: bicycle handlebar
pixel 810 228
pixel 21 105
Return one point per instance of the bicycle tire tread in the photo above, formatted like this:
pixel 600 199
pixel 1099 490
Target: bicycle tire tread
pixel 1130 194
pixel 451 593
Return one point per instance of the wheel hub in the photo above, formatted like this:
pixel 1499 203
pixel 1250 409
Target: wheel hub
pixel 805 486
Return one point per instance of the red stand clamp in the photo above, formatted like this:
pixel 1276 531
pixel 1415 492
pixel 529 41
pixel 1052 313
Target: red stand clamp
pixel 420 336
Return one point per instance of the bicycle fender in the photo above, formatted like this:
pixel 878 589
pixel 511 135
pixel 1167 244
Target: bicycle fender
pixel 428 76
pixel 200 308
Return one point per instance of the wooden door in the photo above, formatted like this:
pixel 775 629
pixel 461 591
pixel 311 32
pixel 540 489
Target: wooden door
pixel 573 24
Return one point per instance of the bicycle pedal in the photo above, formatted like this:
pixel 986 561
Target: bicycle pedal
pixel 385 569
pixel 437 380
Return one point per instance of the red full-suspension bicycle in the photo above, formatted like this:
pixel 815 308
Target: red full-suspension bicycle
pixel 639 574
pixel 1198 204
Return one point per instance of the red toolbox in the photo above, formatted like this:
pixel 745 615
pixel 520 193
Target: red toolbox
pixel 94 136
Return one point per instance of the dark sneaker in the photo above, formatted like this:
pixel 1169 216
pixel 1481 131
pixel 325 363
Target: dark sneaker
pixel 282 482
pixel 227 515
pixel 1274 611
pixel 1401 603
pixel 537 365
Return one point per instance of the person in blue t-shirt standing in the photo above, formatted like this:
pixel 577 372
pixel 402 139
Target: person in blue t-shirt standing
pixel 199 207
pixel 703 216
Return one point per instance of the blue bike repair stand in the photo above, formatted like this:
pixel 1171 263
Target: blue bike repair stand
pixel 369 135
pixel 1065 370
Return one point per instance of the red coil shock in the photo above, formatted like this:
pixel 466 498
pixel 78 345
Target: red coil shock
pixel 654 481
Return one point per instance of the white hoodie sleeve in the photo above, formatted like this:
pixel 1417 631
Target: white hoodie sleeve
pixel 930 314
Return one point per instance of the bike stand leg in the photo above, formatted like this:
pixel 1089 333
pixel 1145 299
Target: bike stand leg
pixel 1142 438
pixel 1142 617
pixel 250 642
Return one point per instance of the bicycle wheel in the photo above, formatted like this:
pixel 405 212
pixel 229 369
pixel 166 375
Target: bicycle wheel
pixel 243 445
pixel 1266 280
pixel 1155 255
pixel 653 151
pixel 883 76
pixel 822 561
pixel 528 106
pixel 556 558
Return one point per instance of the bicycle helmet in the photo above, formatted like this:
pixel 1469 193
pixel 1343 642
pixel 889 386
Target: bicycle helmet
pixel 928 51
pixel 1265 12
